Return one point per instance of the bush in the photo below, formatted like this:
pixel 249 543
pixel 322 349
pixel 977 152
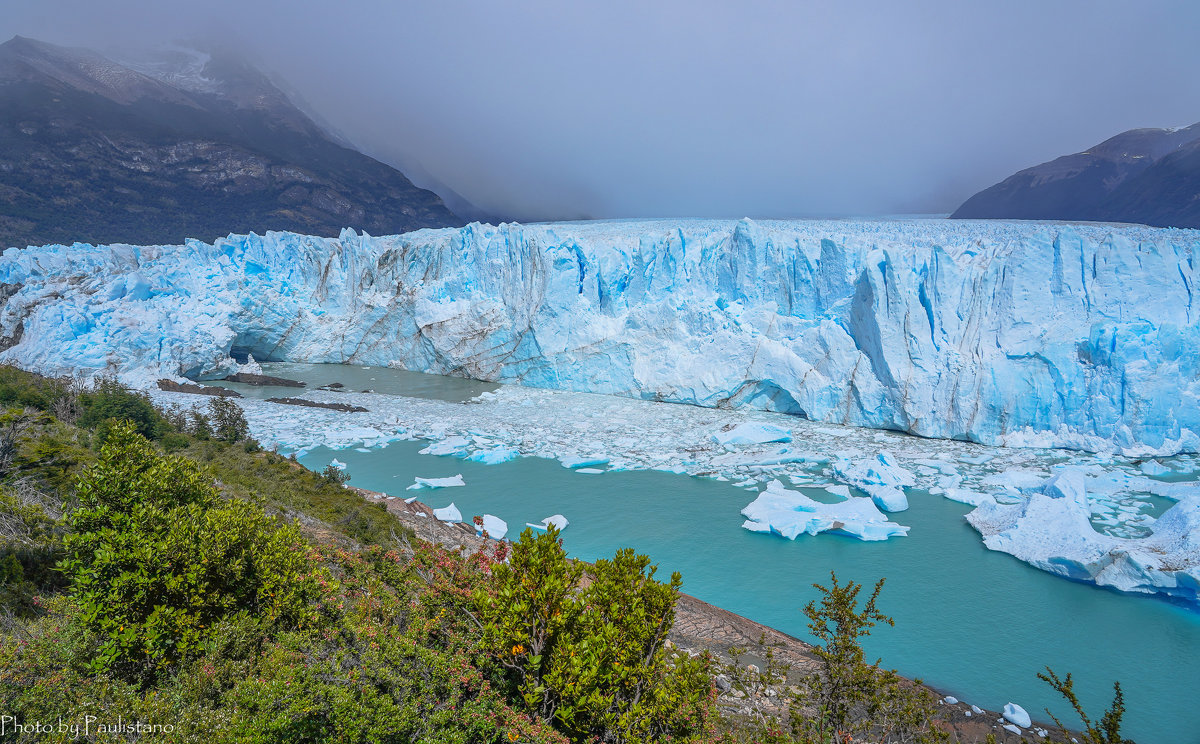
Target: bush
pixel 592 660
pixel 110 401
pixel 155 558
pixel 334 475
pixel 228 420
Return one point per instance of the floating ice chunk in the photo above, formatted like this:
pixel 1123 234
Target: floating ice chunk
pixel 559 521
pixel 494 456
pixel 495 526
pixel 337 464
pixel 455 480
pixel 966 496
pixel 839 490
pixel 1017 715
pixel 1154 468
pixel 448 514
pixel 1015 479
pixel 976 459
pixel 589 471
pixel 791 513
pixel 880 477
pixel 582 461
pixel 752 433
pixel 447 446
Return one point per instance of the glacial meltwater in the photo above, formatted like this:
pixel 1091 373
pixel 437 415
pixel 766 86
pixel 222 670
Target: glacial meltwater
pixel 973 623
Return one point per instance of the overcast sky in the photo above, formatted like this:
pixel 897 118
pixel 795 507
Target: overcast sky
pixel 570 108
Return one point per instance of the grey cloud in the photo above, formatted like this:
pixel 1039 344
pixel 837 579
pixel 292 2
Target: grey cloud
pixel 546 109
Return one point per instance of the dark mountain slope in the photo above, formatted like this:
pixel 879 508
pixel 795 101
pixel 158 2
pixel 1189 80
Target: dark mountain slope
pixel 1143 175
pixel 95 151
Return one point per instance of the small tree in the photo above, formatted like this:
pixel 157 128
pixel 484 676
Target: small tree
pixel 851 696
pixel 335 475
pixel 228 420
pixel 1108 729
pixel 592 660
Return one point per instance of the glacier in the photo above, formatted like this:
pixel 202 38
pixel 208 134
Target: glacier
pixel 1027 334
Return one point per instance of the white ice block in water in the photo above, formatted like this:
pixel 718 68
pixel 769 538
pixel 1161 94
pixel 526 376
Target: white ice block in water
pixel 495 526
pixel 880 477
pixel 448 514
pixel 753 433
pixel 448 446
pixel 790 514
pixel 337 464
pixel 494 456
pixel 559 521
pixel 454 480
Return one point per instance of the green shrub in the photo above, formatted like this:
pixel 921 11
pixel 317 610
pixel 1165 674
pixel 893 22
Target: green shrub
pixel 109 400
pixel 592 660
pixel 228 420
pixel 155 558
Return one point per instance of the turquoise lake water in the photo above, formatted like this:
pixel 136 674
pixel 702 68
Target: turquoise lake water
pixel 974 623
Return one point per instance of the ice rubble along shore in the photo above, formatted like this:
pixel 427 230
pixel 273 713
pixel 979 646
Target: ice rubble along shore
pixel 1000 333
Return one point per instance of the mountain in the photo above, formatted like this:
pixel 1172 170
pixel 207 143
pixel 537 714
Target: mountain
pixel 181 144
pixel 1149 176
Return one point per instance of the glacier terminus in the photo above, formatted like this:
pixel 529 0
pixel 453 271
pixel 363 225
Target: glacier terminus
pixel 1082 336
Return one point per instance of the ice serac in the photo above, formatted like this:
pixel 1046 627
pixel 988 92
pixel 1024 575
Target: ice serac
pixel 1002 333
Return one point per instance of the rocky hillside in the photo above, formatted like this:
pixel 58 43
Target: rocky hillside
pixel 1148 176
pixel 180 145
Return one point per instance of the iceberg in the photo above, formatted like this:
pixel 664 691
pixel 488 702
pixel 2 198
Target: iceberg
pixel 790 514
pixel 455 480
pixel 879 477
pixel 494 456
pixel 1051 529
pixel 448 514
pixel 559 521
pixel 1016 715
pixel 753 433
pixel 496 527
pixel 1030 334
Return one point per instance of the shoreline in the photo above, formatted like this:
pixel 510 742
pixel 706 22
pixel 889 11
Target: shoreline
pixel 701 626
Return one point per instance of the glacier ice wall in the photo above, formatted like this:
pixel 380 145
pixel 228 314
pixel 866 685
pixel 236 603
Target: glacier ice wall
pixel 1001 333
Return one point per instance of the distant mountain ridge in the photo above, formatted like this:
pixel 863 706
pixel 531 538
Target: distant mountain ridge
pixel 185 144
pixel 1148 176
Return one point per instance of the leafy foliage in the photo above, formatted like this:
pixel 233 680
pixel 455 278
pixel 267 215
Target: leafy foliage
pixel 1105 731
pixel 591 658
pixel 155 558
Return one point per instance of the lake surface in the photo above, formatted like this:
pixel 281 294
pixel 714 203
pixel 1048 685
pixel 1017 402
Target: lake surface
pixel 974 623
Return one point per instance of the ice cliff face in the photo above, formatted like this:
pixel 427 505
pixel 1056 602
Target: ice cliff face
pixel 1001 333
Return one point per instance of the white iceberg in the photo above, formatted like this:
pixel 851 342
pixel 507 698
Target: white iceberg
pixel 494 456
pixel 559 521
pixel 880 478
pixel 752 433
pixel 454 480
pixel 447 446
pixel 1015 714
pixel 582 461
pixel 496 527
pixel 1051 528
pixel 448 514
pixel 790 514
pixel 336 463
